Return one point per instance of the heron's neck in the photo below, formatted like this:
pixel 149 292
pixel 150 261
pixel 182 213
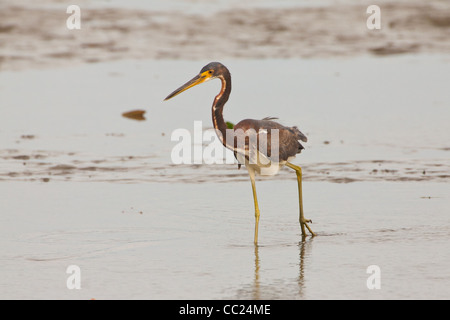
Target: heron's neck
pixel 217 108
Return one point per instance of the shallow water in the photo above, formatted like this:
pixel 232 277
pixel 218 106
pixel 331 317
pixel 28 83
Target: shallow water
pixel 83 185
pixel 179 241
pixel 380 119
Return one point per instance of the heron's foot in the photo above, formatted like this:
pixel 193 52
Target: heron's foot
pixel 304 222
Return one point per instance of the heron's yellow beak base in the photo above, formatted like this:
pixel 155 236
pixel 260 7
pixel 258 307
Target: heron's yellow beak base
pixel 202 77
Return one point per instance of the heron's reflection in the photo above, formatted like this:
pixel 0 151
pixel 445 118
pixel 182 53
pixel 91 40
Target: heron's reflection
pixel 304 249
pixel 303 246
pixel 256 288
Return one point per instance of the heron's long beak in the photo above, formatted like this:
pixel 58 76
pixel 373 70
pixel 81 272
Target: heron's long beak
pixel 191 83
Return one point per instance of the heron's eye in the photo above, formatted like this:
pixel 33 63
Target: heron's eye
pixel 210 72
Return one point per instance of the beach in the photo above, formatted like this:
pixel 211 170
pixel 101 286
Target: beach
pixel 84 186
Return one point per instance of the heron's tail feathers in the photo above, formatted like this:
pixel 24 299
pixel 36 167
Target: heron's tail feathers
pixel 299 134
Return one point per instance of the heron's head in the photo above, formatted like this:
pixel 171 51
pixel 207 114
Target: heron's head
pixel 210 71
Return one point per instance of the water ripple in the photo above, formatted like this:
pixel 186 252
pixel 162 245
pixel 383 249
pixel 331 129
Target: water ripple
pixel 62 166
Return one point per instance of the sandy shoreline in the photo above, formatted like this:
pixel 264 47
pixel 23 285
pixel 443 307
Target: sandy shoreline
pixel 38 38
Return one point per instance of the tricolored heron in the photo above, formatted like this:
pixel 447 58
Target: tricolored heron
pixel 288 138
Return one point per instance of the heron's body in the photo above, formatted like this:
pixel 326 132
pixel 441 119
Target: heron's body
pixel 263 146
pixel 288 144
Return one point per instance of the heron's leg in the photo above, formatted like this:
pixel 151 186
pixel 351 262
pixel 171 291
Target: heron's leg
pixel 255 199
pixel 303 222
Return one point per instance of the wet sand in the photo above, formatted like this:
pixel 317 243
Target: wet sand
pixel 34 36
pixel 83 185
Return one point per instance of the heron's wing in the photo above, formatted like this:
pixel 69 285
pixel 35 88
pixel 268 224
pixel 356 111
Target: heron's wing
pixel 268 138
